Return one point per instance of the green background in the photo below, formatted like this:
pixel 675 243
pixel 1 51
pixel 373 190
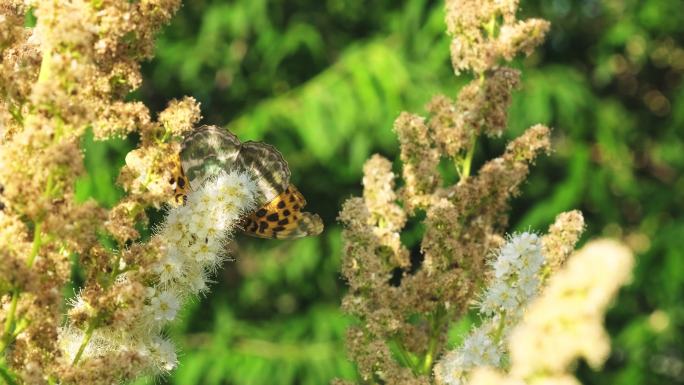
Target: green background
pixel 323 82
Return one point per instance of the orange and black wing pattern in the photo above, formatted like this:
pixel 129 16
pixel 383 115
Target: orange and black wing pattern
pixel 180 184
pixel 283 218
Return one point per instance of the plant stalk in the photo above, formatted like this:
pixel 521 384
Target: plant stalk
pixel 468 161
pixel 9 322
pixel 436 326
pixel 36 244
pixel 86 338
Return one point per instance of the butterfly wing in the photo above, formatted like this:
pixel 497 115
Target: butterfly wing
pixel 208 150
pixel 282 218
pixel 268 168
pixel 180 184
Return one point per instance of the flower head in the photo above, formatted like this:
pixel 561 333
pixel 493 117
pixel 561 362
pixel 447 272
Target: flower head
pixel 164 353
pixel 164 306
pixel 170 267
pixel 516 268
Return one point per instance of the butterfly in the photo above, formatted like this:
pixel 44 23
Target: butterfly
pixel 209 149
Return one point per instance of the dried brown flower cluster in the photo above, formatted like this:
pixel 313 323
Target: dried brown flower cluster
pixel 405 308
pixel 486 31
pixel 68 73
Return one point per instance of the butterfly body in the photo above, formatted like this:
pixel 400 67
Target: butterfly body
pixel 209 150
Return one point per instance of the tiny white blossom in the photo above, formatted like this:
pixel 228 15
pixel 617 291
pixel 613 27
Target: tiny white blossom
pixel 489 304
pixel 486 349
pixel 150 292
pixel 170 267
pixel 197 223
pixel 206 197
pixel 533 259
pixel 79 304
pixel 205 251
pixel 499 297
pixel 528 284
pixel 214 231
pixel 142 350
pixel 197 280
pixel 503 264
pixel 70 340
pixel 165 353
pixel 524 242
pixel 100 46
pixel 164 306
pixel 509 253
pixel 175 228
pixel 227 216
pixel 233 193
pixel 478 349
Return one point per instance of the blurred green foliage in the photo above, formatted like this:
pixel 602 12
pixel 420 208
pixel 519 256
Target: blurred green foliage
pixel 324 80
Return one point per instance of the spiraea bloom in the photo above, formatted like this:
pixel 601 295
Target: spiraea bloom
pixel 192 241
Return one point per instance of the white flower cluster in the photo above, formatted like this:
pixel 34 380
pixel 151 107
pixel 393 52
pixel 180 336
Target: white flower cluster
pixel 516 271
pixel 193 239
pixel 516 281
pixel 565 322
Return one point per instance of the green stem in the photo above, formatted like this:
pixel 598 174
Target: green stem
pixel 9 322
pixel 499 331
pixel 22 324
pixel 86 338
pixel 468 160
pixel 7 376
pixel 429 355
pixel 115 269
pixel 45 64
pixel 49 186
pixel 15 111
pixel 405 357
pixel 490 27
pixel 9 331
pixel 166 135
pixel 36 244
pixel 439 317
